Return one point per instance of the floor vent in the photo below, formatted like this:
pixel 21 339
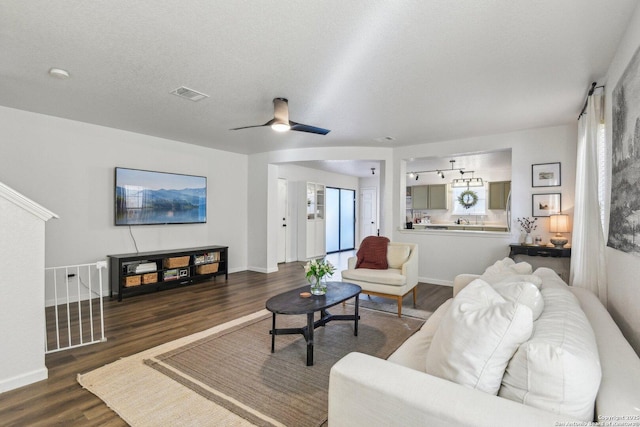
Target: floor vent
pixel 190 94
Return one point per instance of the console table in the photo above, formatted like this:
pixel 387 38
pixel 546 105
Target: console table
pixel 557 259
pixel 165 269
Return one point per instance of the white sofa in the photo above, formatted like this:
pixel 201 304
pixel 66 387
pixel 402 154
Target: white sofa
pixel 368 391
pixel 394 282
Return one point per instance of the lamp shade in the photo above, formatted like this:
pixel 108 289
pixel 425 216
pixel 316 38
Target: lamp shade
pixel 559 223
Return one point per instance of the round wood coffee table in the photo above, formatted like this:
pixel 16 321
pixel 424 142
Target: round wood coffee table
pixel 292 303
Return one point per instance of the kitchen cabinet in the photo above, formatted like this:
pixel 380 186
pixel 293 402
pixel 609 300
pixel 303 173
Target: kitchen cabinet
pixel 438 196
pixel 428 196
pixel 498 194
pixel 420 197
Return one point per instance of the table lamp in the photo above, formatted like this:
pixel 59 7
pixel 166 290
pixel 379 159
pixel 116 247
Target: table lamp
pixel 559 223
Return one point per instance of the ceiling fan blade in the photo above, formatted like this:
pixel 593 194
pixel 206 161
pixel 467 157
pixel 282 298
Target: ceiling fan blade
pixel 307 128
pixel 254 126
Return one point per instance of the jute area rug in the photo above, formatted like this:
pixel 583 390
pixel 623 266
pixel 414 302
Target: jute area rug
pixel 392 307
pixel 227 375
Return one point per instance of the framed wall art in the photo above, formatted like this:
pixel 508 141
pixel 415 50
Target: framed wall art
pixel 546 204
pixel 545 175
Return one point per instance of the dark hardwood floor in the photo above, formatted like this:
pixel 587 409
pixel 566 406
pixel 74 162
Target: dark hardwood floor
pixel 145 321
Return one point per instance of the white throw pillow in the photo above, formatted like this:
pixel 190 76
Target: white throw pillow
pixel 524 293
pixel 558 369
pixel 477 337
pixel 397 255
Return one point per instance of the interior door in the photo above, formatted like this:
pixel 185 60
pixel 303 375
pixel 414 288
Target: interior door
pixel 368 213
pixel 282 220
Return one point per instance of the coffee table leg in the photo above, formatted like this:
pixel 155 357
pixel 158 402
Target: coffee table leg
pixel 356 315
pixel 273 334
pixel 310 339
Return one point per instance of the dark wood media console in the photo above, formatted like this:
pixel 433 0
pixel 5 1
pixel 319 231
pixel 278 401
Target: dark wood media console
pixel 143 272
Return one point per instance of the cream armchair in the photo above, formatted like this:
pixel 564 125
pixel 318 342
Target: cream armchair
pixel 396 281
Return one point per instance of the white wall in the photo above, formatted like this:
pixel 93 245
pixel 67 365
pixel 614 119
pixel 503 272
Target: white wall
pixel 623 270
pixel 68 166
pixel 21 297
pixel 443 255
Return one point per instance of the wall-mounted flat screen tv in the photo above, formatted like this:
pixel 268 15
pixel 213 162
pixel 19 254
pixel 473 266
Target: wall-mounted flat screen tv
pixel 147 197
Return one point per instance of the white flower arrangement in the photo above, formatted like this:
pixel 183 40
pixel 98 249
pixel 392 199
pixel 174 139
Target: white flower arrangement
pixel 318 269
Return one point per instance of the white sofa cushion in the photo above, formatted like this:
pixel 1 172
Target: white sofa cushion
pixel 411 352
pixel 506 270
pixel 524 293
pixel 477 337
pixel 390 276
pixel 549 278
pixel 558 369
pixel 397 255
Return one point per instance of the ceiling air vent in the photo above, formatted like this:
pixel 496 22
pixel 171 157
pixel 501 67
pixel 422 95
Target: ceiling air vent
pixel 190 94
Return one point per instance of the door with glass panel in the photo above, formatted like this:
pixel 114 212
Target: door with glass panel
pixel 340 206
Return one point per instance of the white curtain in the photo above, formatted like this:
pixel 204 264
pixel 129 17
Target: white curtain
pixel 588 266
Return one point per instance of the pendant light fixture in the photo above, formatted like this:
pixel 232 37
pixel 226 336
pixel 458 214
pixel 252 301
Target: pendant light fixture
pixel 457 182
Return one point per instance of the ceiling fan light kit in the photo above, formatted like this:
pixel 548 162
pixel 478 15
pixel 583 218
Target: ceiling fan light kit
pixel 281 122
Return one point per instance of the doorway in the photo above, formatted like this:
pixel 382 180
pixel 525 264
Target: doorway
pixel 340 219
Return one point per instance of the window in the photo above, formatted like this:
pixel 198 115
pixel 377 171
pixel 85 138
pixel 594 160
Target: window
pixel 479 208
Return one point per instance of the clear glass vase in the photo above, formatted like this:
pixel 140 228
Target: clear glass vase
pixel 528 240
pixel 318 285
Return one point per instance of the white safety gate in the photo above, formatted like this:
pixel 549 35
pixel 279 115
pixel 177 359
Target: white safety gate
pixel 74 308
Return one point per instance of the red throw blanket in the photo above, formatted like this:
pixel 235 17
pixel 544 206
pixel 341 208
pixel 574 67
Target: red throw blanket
pixel 373 253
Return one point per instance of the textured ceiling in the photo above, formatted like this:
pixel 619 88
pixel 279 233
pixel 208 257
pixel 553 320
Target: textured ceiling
pixel 419 71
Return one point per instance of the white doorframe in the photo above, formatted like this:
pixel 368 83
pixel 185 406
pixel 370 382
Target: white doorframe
pixel 283 220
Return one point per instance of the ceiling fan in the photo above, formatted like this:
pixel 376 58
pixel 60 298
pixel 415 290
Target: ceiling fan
pixel 281 122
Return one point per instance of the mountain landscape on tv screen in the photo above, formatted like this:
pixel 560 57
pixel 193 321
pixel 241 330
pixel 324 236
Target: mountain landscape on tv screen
pixel 161 206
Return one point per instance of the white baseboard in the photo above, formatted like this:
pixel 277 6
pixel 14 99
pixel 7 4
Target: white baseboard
pixel 23 379
pixel 435 281
pixel 263 270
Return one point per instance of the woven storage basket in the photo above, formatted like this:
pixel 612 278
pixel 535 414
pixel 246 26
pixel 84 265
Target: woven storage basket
pixel 207 268
pixel 131 281
pixel 149 278
pixel 181 261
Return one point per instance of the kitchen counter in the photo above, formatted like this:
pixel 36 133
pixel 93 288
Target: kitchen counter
pixel 461 227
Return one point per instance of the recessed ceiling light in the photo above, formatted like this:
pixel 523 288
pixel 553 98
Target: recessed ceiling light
pixel 59 73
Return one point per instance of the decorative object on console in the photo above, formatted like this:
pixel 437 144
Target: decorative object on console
pixel 545 175
pixel 559 223
pixel 527 225
pixel 317 272
pixel 545 204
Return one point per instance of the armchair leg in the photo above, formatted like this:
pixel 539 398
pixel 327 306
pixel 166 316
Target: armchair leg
pixel 399 306
pixel 415 293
